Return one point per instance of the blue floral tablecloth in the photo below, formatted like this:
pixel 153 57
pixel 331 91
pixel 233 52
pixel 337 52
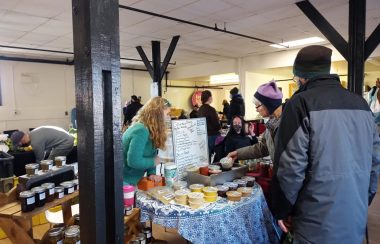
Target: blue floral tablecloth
pixel 222 222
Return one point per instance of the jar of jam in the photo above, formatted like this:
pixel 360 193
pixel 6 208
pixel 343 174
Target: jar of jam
pixel 28 201
pixel 250 180
pixel 55 235
pixel 31 169
pixel 46 165
pixel 141 238
pixel 68 187
pixel 135 240
pixel 59 192
pixel 148 234
pixel 40 195
pixel 60 161
pixel 76 184
pixel 72 235
pixel 49 191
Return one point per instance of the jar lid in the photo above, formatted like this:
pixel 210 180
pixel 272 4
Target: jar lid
pixel 60 158
pixel 72 231
pixel 55 231
pixel 76 182
pixel 26 194
pixel 222 188
pixel 248 178
pixel 196 186
pixel 231 184
pixel 31 166
pixel 48 162
pixel 170 166
pixel 59 189
pixel 76 217
pixel 38 189
pixel 147 230
pixel 67 184
pixel 48 185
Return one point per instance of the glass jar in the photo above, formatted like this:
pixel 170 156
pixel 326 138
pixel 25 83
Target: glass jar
pixel 31 169
pixel 148 234
pixel 72 235
pixel 28 201
pixel 55 235
pixel 59 192
pixel 68 187
pixel 46 165
pixel 60 161
pixel 76 219
pixel 141 238
pixel 49 191
pixel 40 195
pixel 76 184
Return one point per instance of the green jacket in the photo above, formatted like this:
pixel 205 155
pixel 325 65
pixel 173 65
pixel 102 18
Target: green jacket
pixel 138 154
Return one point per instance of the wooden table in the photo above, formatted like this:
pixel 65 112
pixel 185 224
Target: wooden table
pixel 18 225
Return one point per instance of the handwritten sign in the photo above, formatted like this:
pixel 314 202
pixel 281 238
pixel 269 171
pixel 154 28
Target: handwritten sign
pixel 190 143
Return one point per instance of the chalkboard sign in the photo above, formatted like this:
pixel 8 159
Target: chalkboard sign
pixel 190 143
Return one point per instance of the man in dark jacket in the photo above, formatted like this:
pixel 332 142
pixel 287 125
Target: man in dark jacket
pixel 327 156
pixel 237 107
pixel 131 109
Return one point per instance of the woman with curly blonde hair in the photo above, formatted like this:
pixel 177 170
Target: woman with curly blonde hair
pixel 142 139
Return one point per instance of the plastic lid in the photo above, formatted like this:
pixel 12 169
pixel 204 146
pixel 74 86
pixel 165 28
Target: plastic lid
pixel 26 194
pixel 59 189
pixel 67 184
pixel 48 185
pixel 31 166
pixel 170 166
pixel 72 231
pixel 46 161
pixel 196 186
pixel 196 195
pixel 38 189
pixel 60 158
pixel 128 188
pixel 55 231
pixel 222 188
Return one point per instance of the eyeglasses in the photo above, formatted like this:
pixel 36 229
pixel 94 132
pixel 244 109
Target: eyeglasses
pixel 296 79
pixel 258 106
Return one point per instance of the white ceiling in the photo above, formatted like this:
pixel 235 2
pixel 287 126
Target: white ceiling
pixel 47 24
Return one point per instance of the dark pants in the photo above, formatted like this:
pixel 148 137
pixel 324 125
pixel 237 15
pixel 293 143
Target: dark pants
pixel 211 145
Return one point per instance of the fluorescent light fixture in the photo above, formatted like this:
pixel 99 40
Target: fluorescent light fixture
pixel 225 78
pixel 300 42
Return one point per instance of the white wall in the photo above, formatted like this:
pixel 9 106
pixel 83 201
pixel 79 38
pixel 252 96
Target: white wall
pixel 40 94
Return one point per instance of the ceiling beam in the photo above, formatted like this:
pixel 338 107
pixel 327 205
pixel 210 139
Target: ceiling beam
pixel 372 42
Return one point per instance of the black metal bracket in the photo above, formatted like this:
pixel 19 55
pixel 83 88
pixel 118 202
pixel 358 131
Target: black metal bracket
pixel 372 42
pixel 144 58
pixel 325 27
pixel 169 55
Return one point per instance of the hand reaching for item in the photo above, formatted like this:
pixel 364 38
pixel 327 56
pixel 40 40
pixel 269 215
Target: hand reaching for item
pixel 232 155
pixel 155 178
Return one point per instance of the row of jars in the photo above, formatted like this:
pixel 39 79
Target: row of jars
pixel 46 165
pixel 47 192
pixel 143 238
pixel 59 235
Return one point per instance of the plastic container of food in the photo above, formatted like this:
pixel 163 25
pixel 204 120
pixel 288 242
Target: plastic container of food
pixel 232 186
pixel 46 165
pixel 171 174
pixel 210 198
pixel 234 196
pixel 245 191
pixel 196 187
pixel 196 197
pixel 250 180
pixel 210 191
pixel 240 182
pixel 222 190
pixel 178 185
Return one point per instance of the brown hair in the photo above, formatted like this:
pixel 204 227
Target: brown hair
pixel 152 116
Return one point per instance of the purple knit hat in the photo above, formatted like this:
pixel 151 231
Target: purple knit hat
pixel 269 95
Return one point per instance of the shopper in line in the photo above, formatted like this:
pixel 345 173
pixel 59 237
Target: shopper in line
pixel 237 106
pixel 142 140
pixel 374 102
pixel 212 119
pixel 327 156
pixel 45 140
pixel 267 99
pixel 194 112
pixel 237 138
pixel 226 110
pixel 130 109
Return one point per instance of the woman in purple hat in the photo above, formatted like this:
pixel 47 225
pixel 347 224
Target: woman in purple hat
pixel 268 102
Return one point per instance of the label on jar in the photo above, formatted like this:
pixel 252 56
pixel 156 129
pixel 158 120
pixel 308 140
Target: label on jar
pixel 60 195
pixel 78 242
pixel 148 235
pixel 128 195
pixel 60 242
pixel 30 200
pixel 143 241
pixel 51 191
pixel 70 190
pixel 42 196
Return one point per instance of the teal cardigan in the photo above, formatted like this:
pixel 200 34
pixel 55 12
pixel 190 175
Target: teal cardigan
pixel 138 154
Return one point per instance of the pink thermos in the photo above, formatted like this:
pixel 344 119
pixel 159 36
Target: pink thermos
pixel 129 195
